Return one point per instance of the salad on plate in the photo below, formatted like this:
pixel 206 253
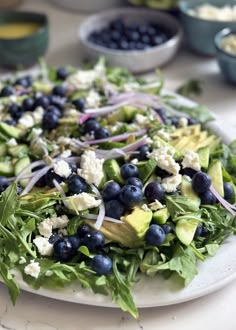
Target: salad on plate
pixel 103 176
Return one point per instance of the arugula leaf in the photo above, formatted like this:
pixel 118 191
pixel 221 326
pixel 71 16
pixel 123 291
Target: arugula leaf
pixel 179 205
pixel 9 281
pixel 8 204
pixel 190 88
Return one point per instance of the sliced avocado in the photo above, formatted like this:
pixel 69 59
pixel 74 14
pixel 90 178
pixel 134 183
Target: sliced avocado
pixel 139 220
pixel 112 170
pixel 19 151
pixel 187 190
pixel 160 216
pixel 204 157
pixel 215 172
pixel 11 131
pixel 147 169
pixel 186 131
pixel 185 230
pixel 6 169
pixel 19 166
pixel 3 149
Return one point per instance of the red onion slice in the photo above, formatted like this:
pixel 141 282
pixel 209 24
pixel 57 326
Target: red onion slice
pixel 35 179
pixel 101 213
pixel 226 205
pixel 118 138
pixel 94 217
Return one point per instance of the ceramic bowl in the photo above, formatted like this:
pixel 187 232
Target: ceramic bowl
pixel 200 32
pixel 137 61
pixel 227 61
pixel 88 6
pixel 24 51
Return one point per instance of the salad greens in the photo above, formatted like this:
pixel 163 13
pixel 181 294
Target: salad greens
pixel 55 170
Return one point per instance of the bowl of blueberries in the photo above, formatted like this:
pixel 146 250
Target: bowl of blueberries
pixel 137 39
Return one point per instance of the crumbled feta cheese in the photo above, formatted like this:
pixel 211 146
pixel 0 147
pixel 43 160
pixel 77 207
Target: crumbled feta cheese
pixel 48 273
pixel 82 202
pixel 44 247
pixel 134 161
pixel 183 122
pixel 64 140
pixel 191 160
pixel 47 225
pixel 91 167
pixel 66 154
pixel 165 160
pixel 145 208
pixel 93 99
pixel 229 44
pixel 187 178
pixel 89 137
pixel 163 135
pixel 141 120
pixel 36 132
pixel 211 12
pixel 22 261
pixel 82 79
pixel 32 269
pixel 62 168
pixel 26 120
pixel 38 115
pixel 156 205
pixel 72 113
pixel 63 232
pixel 171 183
pixel 13 98
pixel 11 143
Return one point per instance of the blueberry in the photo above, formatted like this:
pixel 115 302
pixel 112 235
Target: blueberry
pixel 83 230
pixel 175 121
pixel 200 231
pixel 101 133
pixel 162 114
pixel 111 191
pixel 116 35
pixel 94 241
pixel 207 198
pixel 57 101
pixel 117 24
pixel 124 45
pixel 54 110
pixel 23 81
pixel 142 152
pixel 50 121
pixel 131 196
pixel 28 104
pixel 102 265
pixel 192 121
pixel 77 185
pixel 73 167
pixel 135 182
pixel 4 183
pixel 162 173
pixel 154 191
pixel 59 90
pixel 146 39
pixel 139 45
pixel 62 73
pixel 75 241
pixel 201 182
pixel 79 104
pixel 6 91
pixel 29 80
pixel 10 122
pixel 54 238
pixel 50 176
pixel 167 228
pixel 128 171
pixel 188 171
pixel 63 250
pixel 155 235
pixel 114 209
pixel 228 191
pixel 91 125
pixel 15 111
pixel 41 101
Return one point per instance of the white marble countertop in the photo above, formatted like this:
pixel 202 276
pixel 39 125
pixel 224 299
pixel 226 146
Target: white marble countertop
pixel 215 311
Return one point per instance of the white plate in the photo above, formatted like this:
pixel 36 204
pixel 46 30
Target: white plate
pixel 215 273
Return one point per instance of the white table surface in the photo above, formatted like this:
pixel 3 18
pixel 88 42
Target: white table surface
pixel 213 312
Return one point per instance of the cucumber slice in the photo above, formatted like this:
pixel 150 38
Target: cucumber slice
pixel 147 169
pixel 19 151
pixel 6 169
pixel 204 157
pixel 187 191
pixel 3 149
pixel 19 166
pixel 112 170
pixel 11 131
pixel 185 230
pixel 215 172
pixel 160 216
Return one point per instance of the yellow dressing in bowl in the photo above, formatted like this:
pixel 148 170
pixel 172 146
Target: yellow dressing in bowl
pixel 17 30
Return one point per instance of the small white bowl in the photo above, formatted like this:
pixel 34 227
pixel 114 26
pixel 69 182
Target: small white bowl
pixel 137 61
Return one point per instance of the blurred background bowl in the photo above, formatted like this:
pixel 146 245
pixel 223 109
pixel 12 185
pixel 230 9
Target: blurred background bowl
pixel 23 51
pixel 89 6
pixel 169 6
pixel 200 33
pixel 137 61
pixel 226 61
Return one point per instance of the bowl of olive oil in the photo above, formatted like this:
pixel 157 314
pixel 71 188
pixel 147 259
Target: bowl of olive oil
pixel 24 38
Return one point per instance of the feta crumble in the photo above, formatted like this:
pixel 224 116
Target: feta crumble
pixel 47 225
pixel 82 79
pixel 183 122
pixel 38 115
pixel 32 269
pixel 91 168
pixel 171 183
pixel 154 206
pixel 66 154
pixel 11 143
pixel 82 202
pixel 44 247
pixel 26 120
pixel 62 168
pixel 134 161
pixel 163 135
pixel 93 99
pixel 191 160
pixel 165 160
pixel 141 120
pixel 22 260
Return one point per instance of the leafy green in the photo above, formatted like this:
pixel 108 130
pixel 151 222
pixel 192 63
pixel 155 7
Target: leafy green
pixel 8 204
pixel 190 88
pixel 9 281
pixel 179 205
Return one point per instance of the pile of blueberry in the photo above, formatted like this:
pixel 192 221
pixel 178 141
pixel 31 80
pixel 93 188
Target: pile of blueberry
pixel 121 36
pixel 173 120
pixel 91 126
pixel 65 248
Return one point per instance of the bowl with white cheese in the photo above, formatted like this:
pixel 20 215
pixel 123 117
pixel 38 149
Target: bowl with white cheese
pixel 203 19
pixel 225 45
